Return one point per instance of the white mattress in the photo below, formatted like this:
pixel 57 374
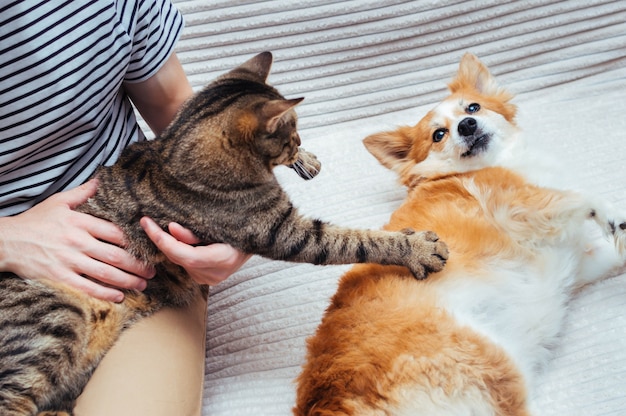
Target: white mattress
pixel 366 66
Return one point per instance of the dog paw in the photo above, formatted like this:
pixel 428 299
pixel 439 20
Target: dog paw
pixel 613 224
pixel 617 227
pixel 429 254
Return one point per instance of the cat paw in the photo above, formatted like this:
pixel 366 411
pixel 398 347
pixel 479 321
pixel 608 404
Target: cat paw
pixel 428 253
pixel 307 165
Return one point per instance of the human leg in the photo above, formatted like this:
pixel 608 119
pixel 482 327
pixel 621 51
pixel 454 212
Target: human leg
pixel 156 368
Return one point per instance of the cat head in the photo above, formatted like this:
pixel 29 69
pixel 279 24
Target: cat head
pixel 263 119
pixel 239 117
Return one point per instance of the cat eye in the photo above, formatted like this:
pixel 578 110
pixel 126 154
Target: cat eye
pixel 472 108
pixel 439 134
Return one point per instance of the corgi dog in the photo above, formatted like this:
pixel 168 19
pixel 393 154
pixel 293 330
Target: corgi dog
pixel 470 339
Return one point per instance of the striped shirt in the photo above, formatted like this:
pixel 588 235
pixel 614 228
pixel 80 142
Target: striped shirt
pixel 63 111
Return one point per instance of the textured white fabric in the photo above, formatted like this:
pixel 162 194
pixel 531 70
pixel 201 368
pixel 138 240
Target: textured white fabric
pixel 366 66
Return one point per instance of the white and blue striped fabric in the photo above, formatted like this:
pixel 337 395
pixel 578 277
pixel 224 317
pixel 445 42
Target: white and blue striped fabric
pixel 61 68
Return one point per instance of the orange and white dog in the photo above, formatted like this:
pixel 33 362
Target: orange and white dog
pixel 469 340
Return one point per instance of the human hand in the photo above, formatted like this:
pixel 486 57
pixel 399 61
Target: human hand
pixel 207 265
pixel 52 241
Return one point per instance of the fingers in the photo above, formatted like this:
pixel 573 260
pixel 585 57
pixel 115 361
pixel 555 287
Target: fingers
pixel 177 251
pixel 79 195
pixel 109 265
pixel 109 247
pixel 53 242
pixel 182 234
pixel 206 264
pixel 91 288
pixel 101 229
pixel 156 234
pixel 113 266
pixel 106 260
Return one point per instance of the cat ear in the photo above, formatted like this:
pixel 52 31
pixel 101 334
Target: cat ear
pixel 474 74
pixel 259 66
pixel 273 110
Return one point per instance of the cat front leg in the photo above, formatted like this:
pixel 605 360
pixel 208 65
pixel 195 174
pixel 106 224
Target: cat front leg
pixel 421 252
pixel 304 240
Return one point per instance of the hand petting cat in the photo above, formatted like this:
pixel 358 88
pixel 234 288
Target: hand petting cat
pixel 52 241
pixel 65 246
pixel 207 265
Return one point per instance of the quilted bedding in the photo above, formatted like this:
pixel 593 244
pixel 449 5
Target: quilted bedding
pixel 366 66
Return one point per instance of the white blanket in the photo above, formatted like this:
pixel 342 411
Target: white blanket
pixel 370 65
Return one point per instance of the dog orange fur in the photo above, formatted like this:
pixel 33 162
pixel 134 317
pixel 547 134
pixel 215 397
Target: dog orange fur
pixel 469 339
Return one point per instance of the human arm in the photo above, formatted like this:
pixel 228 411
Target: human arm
pixel 159 98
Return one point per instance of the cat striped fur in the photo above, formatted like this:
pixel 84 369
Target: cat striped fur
pixel 212 172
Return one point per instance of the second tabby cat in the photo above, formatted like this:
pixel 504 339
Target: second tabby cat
pixel 212 172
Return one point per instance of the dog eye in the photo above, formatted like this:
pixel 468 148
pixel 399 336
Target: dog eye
pixel 472 108
pixel 439 134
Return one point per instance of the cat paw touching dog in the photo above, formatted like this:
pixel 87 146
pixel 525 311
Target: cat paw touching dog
pixel 470 339
pixel 211 171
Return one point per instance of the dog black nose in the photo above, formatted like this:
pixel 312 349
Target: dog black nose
pixel 467 126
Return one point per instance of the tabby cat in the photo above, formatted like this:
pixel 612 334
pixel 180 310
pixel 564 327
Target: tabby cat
pixel 210 171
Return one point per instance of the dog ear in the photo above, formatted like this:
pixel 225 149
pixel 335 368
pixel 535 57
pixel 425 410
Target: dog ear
pixel 391 148
pixel 474 74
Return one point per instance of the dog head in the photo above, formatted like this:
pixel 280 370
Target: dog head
pixel 473 128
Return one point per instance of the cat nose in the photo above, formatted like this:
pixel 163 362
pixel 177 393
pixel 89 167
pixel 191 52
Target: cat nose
pixel 467 126
pixel 297 140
